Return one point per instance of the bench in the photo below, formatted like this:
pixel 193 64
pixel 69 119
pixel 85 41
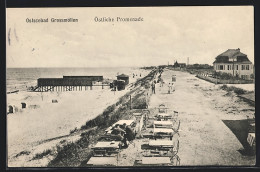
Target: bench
pixel 102 161
pixel 106 148
pixel 163 124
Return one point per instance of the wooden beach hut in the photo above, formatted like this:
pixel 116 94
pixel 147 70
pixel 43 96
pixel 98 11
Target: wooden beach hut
pixel 123 77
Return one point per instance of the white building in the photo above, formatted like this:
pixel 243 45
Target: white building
pixel 234 62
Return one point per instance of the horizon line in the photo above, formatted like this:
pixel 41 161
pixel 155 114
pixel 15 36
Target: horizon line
pixel 109 67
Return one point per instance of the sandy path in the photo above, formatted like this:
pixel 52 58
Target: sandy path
pixel 204 138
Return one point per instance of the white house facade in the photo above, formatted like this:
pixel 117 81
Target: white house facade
pixel 234 62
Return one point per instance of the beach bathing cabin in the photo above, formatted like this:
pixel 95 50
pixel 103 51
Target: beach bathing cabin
pixel 67 83
pixel 123 77
pixel 234 62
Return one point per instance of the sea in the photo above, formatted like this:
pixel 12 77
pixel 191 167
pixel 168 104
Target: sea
pixel 22 78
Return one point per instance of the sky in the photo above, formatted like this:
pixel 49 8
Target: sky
pixel 166 34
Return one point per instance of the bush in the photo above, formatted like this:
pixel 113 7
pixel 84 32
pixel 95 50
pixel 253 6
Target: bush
pixel 41 155
pixel 65 154
pixel 108 110
pixel 140 103
pixel 73 131
pixel 22 153
pixel 224 87
pixel 225 76
pixel 236 90
pixel 252 76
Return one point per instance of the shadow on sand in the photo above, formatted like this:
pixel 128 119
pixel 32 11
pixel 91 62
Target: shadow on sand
pixel 240 129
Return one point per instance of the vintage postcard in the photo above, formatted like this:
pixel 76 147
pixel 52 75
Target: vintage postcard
pixel 130 86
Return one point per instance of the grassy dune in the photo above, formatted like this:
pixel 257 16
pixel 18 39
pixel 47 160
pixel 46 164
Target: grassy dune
pixel 74 154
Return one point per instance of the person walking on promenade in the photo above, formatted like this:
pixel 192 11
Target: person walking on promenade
pixel 169 88
pixel 161 82
pixel 153 88
pixel 173 87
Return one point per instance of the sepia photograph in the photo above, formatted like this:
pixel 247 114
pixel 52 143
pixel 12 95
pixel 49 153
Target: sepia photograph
pixel 130 86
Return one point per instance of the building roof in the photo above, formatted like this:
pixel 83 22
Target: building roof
pixel 122 75
pixel 232 54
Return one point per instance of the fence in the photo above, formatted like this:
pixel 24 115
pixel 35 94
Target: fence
pixel 223 81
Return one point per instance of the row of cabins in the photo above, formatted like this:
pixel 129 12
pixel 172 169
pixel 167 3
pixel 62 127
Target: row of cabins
pixel 70 83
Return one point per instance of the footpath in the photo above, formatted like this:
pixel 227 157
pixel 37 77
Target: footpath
pixel 204 138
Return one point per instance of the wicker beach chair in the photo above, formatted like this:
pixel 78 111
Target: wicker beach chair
pixel 162 108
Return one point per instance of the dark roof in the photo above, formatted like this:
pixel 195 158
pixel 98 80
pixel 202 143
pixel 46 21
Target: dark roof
pixel 122 75
pixel 81 76
pixel 231 54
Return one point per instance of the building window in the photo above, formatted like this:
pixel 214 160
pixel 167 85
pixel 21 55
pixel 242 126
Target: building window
pixel 236 67
pixel 245 76
pixel 221 67
pixel 230 67
pixel 245 67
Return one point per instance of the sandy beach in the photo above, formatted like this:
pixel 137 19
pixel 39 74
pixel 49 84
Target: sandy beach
pixel 43 120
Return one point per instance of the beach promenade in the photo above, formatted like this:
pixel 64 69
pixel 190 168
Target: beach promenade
pixel 204 110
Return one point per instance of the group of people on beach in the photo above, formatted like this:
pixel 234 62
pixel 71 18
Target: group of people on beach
pixel 136 75
pixel 171 86
pixel 124 133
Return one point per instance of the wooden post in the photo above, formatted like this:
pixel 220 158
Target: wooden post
pixel 130 102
